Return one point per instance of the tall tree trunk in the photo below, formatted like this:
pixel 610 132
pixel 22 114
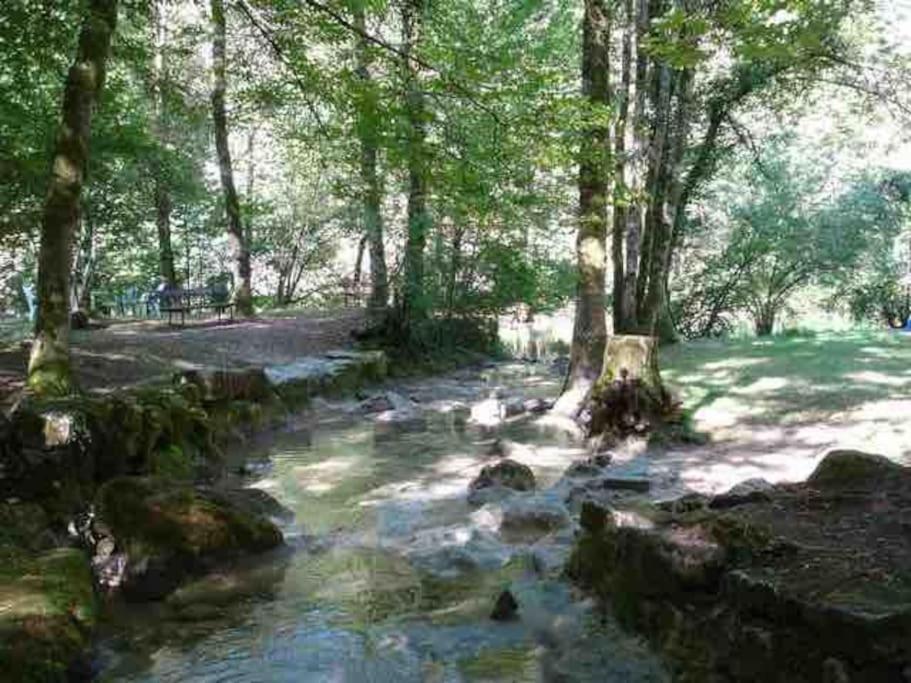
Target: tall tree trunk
pixel 359 265
pixel 163 204
pixel 659 322
pixel 656 220
pixel 590 330
pixel 622 193
pixel 50 370
pixel 455 266
pixel 243 292
pixel 414 306
pixel 368 116
pixel 84 268
pixel 251 185
pixel 638 16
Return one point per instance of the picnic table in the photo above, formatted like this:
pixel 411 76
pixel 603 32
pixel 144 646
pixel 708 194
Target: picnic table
pixel 176 301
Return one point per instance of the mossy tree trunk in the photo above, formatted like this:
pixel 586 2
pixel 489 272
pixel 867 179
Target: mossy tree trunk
pixel 629 396
pixel 162 191
pixel 368 118
pixel 590 329
pixel 243 292
pixel 413 303
pixel 50 371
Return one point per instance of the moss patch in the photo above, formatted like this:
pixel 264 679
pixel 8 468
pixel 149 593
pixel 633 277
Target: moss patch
pixel 47 611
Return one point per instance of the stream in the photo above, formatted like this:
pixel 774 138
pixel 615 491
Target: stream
pixel 388 573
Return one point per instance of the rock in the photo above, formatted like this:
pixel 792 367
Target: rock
pixel 637 484
pixel 602 460
pixel 537 406
pixel 533 514
pixel 506 474
pixel 779 589
pixel 166 532
pixel 750 491
pixel 376 404
pixel 582 469
pixel 50 457
pixel 246 384
pixel 506 607
pixel 589 467
pixel 649 562
pixel 686 503
pixel 62 449
pixel 252 501
pixel 332 374
pixel 593 518
pixel 47 613
pixel 504 448
pixel 450 552
pixel 854 469
pixel 512 407
pixel 401 410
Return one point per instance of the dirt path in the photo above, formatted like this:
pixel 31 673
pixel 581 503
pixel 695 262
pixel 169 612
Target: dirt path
pixel 131 352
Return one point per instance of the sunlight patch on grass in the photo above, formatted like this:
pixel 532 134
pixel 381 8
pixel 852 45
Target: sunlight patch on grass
pixel 764 385
pixel 874 377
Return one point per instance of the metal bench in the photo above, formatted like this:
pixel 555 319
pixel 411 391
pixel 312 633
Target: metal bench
pixel 180 302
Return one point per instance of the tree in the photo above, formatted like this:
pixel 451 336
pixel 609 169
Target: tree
pixel 413 301
pixel 799 225
pixel 163 200
pixel 50 369
pixel 590 328
pixel 243 294
pixel 367 128
pixel 676 116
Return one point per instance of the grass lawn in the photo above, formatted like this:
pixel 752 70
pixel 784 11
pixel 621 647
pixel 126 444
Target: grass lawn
pixel 773 407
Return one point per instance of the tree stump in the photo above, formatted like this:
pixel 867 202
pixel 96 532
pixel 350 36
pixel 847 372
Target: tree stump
pixel 629 396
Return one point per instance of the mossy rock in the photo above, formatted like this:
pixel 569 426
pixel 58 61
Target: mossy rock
pixel 47 612
pixel 58 451
pixel 50 460
pixel 168 531
pixel 846 469
pixel 214 386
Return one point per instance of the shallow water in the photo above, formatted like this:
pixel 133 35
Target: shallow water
pixel 388 574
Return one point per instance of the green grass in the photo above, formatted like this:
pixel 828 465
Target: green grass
pixel 791 377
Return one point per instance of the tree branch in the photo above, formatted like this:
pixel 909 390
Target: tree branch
pixel 260 25
pixel 401 54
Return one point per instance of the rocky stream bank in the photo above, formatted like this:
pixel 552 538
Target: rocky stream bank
pixel 792 583
pixel 110 495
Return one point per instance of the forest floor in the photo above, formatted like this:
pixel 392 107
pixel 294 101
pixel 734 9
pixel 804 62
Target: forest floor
pixel 772 407
pixel 130 352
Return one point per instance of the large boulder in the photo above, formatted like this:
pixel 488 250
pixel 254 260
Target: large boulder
pixel 502 477
pixel 846 469
pixel 49 457
pixel 47 603
pixel 151 534
pixel 58 451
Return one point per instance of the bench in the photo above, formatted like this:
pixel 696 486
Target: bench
pixel 180 302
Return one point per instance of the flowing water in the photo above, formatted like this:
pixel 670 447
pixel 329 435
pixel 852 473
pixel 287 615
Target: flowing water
pixel 388 573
